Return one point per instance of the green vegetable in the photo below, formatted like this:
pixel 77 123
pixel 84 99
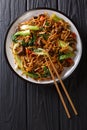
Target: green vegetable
pixel 45 36
pixel 20 33
pixel 23 43
pixel 35 28
pixel 33 75
pixel 30 27
pixel 62 43
pixel 18 61
pixel 55 17
pixel 66 56
pixel 65 44
pixel 14 38
pixel 40 51
pixel 30 43
pixel 46 72
pixel 47 24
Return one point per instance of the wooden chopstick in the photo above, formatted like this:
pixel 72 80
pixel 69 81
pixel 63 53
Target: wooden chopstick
pixel 58 90
pixel 64 88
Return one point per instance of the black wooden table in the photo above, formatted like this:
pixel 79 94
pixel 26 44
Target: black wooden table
pixel 27 106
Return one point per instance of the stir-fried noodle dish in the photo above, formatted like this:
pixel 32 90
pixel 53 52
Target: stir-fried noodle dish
pixel 39 37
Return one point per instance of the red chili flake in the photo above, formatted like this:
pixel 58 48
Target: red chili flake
pixel 28 51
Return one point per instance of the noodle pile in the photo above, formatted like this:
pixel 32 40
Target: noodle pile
pixel 49 33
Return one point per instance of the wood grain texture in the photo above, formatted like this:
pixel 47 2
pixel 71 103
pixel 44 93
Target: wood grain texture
pixel 12 88
pixel 27 106
pixel 41 3
pixel 77 11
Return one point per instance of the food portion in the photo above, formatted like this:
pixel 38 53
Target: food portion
pixel 40 36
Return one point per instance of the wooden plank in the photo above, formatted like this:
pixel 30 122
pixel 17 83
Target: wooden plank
pixel 41 3
pixel 12 88
pixel 42 100
pixel 76 84
pixel 42 107
pixel 44 110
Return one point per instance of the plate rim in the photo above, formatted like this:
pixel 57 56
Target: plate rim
pixel 30 10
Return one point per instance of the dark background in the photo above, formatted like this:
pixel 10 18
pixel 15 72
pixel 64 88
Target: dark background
pixel 27 106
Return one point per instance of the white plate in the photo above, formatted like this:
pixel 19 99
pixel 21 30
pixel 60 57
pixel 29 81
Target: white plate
pixel 9 56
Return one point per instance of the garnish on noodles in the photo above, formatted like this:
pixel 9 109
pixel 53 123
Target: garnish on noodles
pixel 39 36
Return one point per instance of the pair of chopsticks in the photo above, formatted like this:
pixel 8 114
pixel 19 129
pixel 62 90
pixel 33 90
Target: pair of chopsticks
pixel 63 87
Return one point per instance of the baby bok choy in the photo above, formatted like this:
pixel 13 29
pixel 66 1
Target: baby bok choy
pixel 30 27
pixel 40 51
pixel 32 75
pixel 55 17
pixel 20 33
pixel 64 44
pixel 66 56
